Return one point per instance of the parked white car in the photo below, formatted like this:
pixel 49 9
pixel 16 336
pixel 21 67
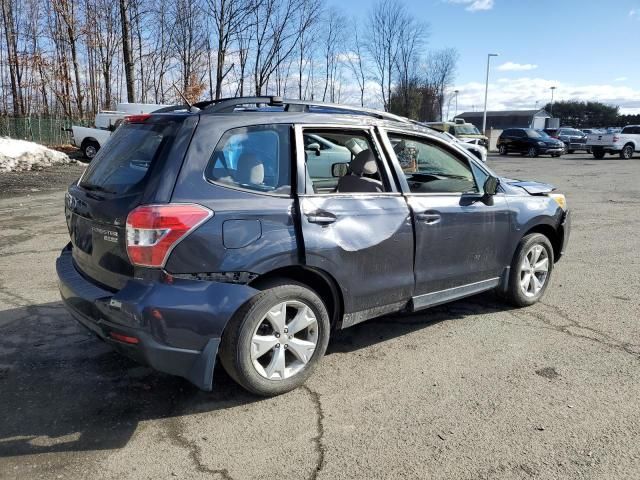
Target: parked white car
pixel 625 143
pixel 471 144
pixel 91 139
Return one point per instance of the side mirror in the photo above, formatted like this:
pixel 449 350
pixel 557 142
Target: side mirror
pixel 339 169
pixel 314 147
pixel 491 185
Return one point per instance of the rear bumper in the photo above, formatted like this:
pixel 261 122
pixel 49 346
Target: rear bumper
pixel 177 327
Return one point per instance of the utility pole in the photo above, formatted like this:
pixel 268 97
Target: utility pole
pixel 551 108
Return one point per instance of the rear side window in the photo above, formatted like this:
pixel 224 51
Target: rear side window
pixel 254 158
pixel 124 162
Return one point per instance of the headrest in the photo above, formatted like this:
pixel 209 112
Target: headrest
pixel 250 169
pixel 364 163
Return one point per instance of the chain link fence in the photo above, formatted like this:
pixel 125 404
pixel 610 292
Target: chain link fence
pixel 43 130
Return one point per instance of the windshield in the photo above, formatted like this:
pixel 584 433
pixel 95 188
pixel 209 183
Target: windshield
pixel 122 164
pixel 467 130
pixel 531 133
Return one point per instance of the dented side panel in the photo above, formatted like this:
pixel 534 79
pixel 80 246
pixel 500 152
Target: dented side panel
pixel 368 248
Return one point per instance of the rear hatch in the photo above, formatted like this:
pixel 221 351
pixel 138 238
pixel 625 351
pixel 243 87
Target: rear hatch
pixel 601 138
pixel 142 155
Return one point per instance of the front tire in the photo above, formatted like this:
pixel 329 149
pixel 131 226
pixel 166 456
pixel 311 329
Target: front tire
pixel 530 270
pixel 532 152
pixel 275 341
pixel 502 150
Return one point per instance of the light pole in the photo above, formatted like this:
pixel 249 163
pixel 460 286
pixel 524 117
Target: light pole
pixel 486 93
pixel 551 108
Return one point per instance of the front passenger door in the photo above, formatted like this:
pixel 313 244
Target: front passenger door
pixel 462 237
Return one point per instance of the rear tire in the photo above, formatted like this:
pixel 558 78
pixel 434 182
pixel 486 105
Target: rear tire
pixel 90 149
pixel 598 153
pixel 530 271
pixel 257 348
pixel 502 150
pixel 627 152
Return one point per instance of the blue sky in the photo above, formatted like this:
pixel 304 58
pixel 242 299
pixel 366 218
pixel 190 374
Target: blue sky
pixel 588 49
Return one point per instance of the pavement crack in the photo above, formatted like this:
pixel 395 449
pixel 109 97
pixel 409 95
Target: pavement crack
pixel 597 336
pixel 318 439
pixel 175 431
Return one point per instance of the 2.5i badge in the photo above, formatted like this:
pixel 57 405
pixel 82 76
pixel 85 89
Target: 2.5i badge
pixel 107 235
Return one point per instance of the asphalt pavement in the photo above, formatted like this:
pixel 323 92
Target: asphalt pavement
pixel 470 390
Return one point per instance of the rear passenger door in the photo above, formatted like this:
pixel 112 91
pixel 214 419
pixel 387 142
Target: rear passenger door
pixel 362 238
pixel 461 237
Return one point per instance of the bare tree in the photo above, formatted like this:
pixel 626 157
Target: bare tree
pixel 333 45
pixel 230 19
pixel 276 35
pixel 384 25
pixel 189 44
pixel 9 20
pixel 127 54
pixel 441 69
pixel 412 39
pixel 357 63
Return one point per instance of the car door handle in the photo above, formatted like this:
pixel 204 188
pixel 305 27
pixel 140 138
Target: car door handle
pixel 428 218
pixel 321 217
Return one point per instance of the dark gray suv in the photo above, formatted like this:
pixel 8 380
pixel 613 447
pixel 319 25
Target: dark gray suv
pixel 249 229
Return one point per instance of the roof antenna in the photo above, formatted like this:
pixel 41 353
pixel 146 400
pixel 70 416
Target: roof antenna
pixel 192 109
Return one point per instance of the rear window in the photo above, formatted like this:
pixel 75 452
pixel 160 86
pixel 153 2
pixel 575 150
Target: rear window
pixel 123 164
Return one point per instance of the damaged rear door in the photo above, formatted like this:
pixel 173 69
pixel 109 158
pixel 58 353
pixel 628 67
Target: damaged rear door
pixel 363 239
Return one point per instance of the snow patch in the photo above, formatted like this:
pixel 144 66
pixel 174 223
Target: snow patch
pixel 20 155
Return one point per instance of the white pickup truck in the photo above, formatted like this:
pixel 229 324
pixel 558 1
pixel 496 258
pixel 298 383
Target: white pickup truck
pixel 625 143
pixel 91 139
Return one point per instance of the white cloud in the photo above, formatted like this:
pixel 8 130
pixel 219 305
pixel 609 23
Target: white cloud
pixel 517 67
pixel 621 79
pixel 633 12
pixel 522 94
pixel 474 5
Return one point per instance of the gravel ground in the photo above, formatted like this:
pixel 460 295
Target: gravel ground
pixel 52 179
pixel 472 390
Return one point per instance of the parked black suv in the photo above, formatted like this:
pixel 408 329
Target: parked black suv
pixel 528 141
pixel 249 229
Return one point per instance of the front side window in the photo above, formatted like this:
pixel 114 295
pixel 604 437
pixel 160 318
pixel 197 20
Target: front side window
pixel 254 158
pixel 430 168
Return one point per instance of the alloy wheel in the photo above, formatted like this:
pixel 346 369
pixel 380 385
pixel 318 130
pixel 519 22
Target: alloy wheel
pixel 534 270
pixel 90 151
pixel 284 341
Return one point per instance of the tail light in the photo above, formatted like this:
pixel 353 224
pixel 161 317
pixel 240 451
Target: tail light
pixel 153 231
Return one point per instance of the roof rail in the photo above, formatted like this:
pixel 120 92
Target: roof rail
pixel 228 105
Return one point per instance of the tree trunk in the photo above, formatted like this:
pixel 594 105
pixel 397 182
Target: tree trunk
pixel 126 51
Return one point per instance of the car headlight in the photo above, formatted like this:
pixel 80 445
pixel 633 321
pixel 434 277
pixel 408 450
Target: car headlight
pixel 542 144
pixel 560 199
